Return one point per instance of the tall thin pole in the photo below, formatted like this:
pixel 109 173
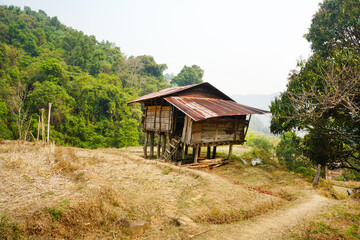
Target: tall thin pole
pixel 39 124
pixel 48 130
pixel 42 124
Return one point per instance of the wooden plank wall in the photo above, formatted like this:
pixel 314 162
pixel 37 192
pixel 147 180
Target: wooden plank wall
pixel 218 130
pixel 186 135
pixel 158 118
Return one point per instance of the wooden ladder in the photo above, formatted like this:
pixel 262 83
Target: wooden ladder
pixel 173 146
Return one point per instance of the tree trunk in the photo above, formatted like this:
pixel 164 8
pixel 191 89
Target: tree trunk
pixel 42 125
pixel 323 172
pixel 317 175
pixel 27 129
pixel 19 124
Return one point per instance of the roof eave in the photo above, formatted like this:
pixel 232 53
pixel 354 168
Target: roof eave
pixel 143 99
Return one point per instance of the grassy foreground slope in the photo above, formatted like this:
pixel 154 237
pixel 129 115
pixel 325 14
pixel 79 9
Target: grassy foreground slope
pixel 63 192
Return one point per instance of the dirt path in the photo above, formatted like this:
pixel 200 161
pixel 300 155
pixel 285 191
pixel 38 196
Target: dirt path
pixel 271 225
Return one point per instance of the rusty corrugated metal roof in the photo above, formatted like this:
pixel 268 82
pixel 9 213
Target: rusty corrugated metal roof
pixel 163 92
pixel 204 108
pixel 170 91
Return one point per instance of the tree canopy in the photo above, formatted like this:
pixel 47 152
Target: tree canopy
pixel 88 82
pixel 335 26
pixel 188 76
pixel 323 95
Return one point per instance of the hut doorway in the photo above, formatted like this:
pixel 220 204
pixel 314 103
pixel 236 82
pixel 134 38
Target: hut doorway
pixel 180 119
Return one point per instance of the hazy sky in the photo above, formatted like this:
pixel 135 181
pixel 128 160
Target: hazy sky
pixel 244 46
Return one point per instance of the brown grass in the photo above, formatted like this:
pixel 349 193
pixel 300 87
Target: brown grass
pixel 341 221
pixel 61 192
pixel 348 184
pixel 267 178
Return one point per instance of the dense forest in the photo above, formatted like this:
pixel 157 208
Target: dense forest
pixel 88 82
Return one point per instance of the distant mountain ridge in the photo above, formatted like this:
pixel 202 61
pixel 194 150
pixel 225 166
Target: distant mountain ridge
pixel 261 101
pixel 260 123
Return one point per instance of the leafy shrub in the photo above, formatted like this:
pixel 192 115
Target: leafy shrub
pixel 262 148
pixel 307 172
pixel 260 142
pixel 289 151
pixel 350 174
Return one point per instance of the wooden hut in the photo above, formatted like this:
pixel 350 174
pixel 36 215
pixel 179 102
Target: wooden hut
pixel 193 116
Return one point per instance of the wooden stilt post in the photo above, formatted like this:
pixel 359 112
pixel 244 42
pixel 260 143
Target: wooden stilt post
pixel 152 136
pixel 164 145
pixel 158 145
pixel 196 154
pixel 214 152
pixel 182 151
pixel 208 152
pixel 230 151
pixel 186 149
pixel 168 142
pixel 193 152
pixel 199 152
pixel 146 143
pixel 48 130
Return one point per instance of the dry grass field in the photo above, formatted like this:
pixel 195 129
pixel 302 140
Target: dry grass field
pixel 54 192
pixel 63 192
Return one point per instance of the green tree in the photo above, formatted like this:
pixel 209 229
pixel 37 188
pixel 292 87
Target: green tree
pixel 5 132
pixel 335 26
pixel 48 92
pixel 323 99
pixel 53 71
pixel 188 76
pixel 150 67
pixel 21 37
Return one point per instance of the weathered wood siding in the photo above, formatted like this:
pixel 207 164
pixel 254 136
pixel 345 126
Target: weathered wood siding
pixel 158 118
pixel 214 131
pixel 186 135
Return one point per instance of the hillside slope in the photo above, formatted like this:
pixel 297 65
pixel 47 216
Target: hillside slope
pixel 64 192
